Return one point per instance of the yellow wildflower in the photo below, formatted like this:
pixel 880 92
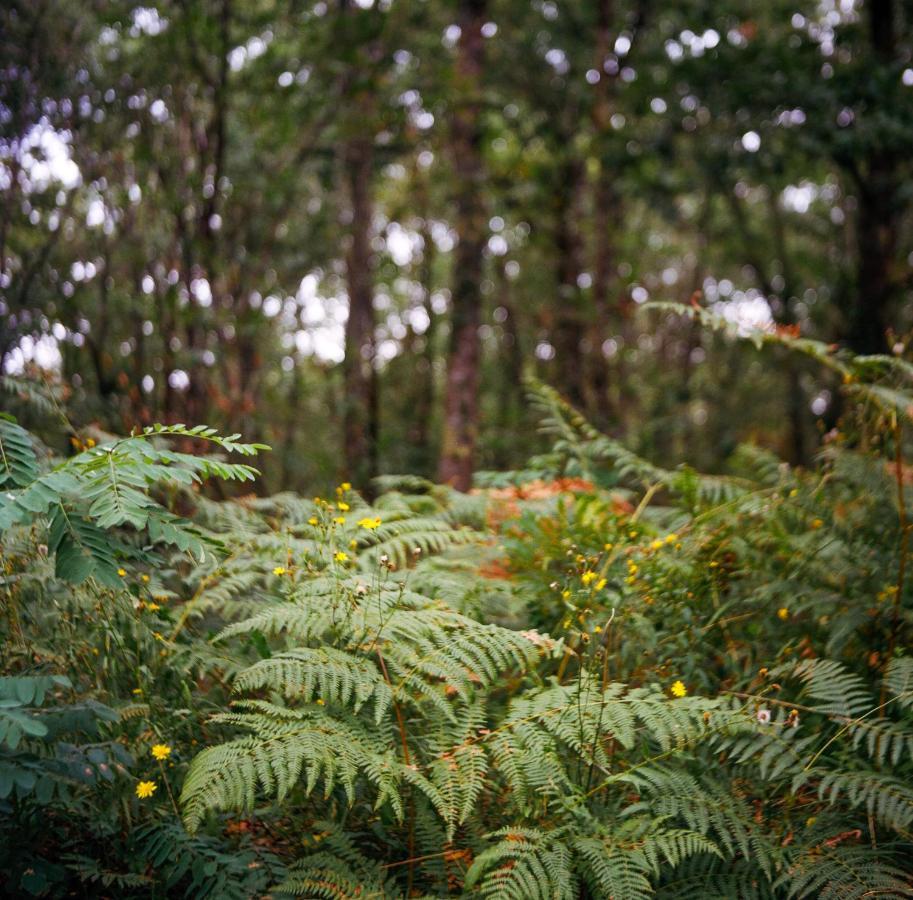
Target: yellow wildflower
pixel 608 546
pixel 566 595
pixel 671 538
pixel 783 613
pixel 343 507
pixel 353 544
pixel 161 751
pixel 369 523
pixel 601 584
pixel 312 520
pixel 145 578
pixel 817 523
pixel 153 607
pixel 279 570
pixel 320 701
pixel 146 789
pixel 679 689
pixel 346 486
pixel 137 690
pixel 122 572
pixel 341 556
pixel 90 442
pixel 340 520
pixel 655 545
pixel 587 578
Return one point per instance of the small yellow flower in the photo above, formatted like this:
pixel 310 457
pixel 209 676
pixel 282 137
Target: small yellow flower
pixel 632 534
pixel 145 578
pixel 817 523
pixel 608 546
pixel 655 545
pixel 320 701
pixel 312 520
pixel 341 556
pixel 122 572
pixel 671 538
pixel 346 486
pixel 794 492
pixel 279 570
pixel 343 507
pixel 153 607
pixel 632 567
pixel 161 752
pixel 90 442
pixel 353 544
pixel 679 689
pixel 601 584
pixel 588 578
pixel 566 595
pixel 137 690
pixel 369 523
pixel 783 613
pixel 146 789
pixel 597 629
pixel 340 520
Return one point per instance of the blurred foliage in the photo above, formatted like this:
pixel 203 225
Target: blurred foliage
pixel 176 221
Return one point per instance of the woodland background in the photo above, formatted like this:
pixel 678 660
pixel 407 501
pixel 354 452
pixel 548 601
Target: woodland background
pixel 346 228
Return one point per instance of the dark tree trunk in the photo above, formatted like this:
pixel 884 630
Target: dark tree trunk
pixel 360 420
pixel 879 213
pixel 571 318
pixel 876 246
pixel 461 405
pixel 606 210
pixel 420 431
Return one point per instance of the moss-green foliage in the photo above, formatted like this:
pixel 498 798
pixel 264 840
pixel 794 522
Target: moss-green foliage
pixel 664 684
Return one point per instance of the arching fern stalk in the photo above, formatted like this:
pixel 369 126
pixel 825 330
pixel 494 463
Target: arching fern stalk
pixel 106 487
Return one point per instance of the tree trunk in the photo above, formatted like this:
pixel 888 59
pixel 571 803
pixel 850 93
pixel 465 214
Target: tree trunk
pixel 570 331
pixel 606 210
pixel 461 406
pixel 879 213
pixel 359 419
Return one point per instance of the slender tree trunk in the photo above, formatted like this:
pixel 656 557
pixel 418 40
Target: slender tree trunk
pixel 879 212
pixel 570 331
pixel 605 211
pixel 360 420
pixel 420 432
pixel 461 404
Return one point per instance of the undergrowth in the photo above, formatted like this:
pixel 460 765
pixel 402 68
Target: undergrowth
pixel 596 678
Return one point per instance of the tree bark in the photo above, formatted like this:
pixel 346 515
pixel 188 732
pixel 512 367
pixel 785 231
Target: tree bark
pixel 606 210
pixel 879 213
pixel 359 419
pixel 461 406
pixel 571 318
